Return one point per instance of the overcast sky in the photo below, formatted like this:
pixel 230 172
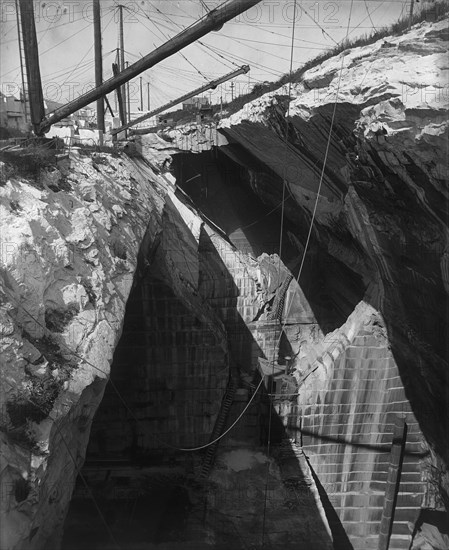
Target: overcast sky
pixel 261 38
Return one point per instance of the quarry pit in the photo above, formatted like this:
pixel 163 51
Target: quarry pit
pixel 222 342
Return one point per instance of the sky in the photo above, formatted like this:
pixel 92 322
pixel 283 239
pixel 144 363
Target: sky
pixel 260 37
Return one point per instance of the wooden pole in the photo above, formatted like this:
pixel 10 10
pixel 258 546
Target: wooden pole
pixel 211 85
pixel 410 19
pixel 22 71
pixel 212 21
pixel 393 481
pixel 35 94
pixel 116 71
pixel 108 106
pixel 122 59
pixel 141 94
pixel 148 95
pixel 128 108
pixel 98 66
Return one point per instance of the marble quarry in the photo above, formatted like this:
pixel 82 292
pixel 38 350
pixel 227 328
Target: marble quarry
pixel 226 341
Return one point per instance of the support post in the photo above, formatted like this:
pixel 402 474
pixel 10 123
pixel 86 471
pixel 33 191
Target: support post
pixel 98 66
pixel 30 47
pixel 22 71
pixel 410 17
pixel 108 106
pixel 114 73
pixel 122 60
pixel 393 481
pixel 128 96
pixel 141 94
pixel 115 70
pixel 148 95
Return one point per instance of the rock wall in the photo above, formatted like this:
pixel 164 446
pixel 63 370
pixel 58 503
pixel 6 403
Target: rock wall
pixel 344 418
pixel 71 232
pixel 169 373
pixel 350 392
pixel 171 365
pixel 382 209
pixel 375 276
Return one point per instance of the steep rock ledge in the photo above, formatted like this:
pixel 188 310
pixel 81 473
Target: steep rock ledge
pixel 382 215
pixel 384 189
pixel 70 240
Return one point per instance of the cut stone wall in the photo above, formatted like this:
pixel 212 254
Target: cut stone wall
pixel 169 371
pixel 346 429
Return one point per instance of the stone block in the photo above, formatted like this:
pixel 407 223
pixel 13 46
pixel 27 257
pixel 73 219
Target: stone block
pixel 361 529
pixel 397 394
pixel 380 354
pixel 353 352
pixel 366 542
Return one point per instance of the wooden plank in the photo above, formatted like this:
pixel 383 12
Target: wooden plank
pixel 393 480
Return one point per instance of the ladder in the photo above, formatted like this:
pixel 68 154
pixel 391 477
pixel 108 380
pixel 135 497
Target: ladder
pixel 279 300
pixel 220 423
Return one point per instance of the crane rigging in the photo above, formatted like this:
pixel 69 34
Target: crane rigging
pixel 210 86
pixel 212 21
